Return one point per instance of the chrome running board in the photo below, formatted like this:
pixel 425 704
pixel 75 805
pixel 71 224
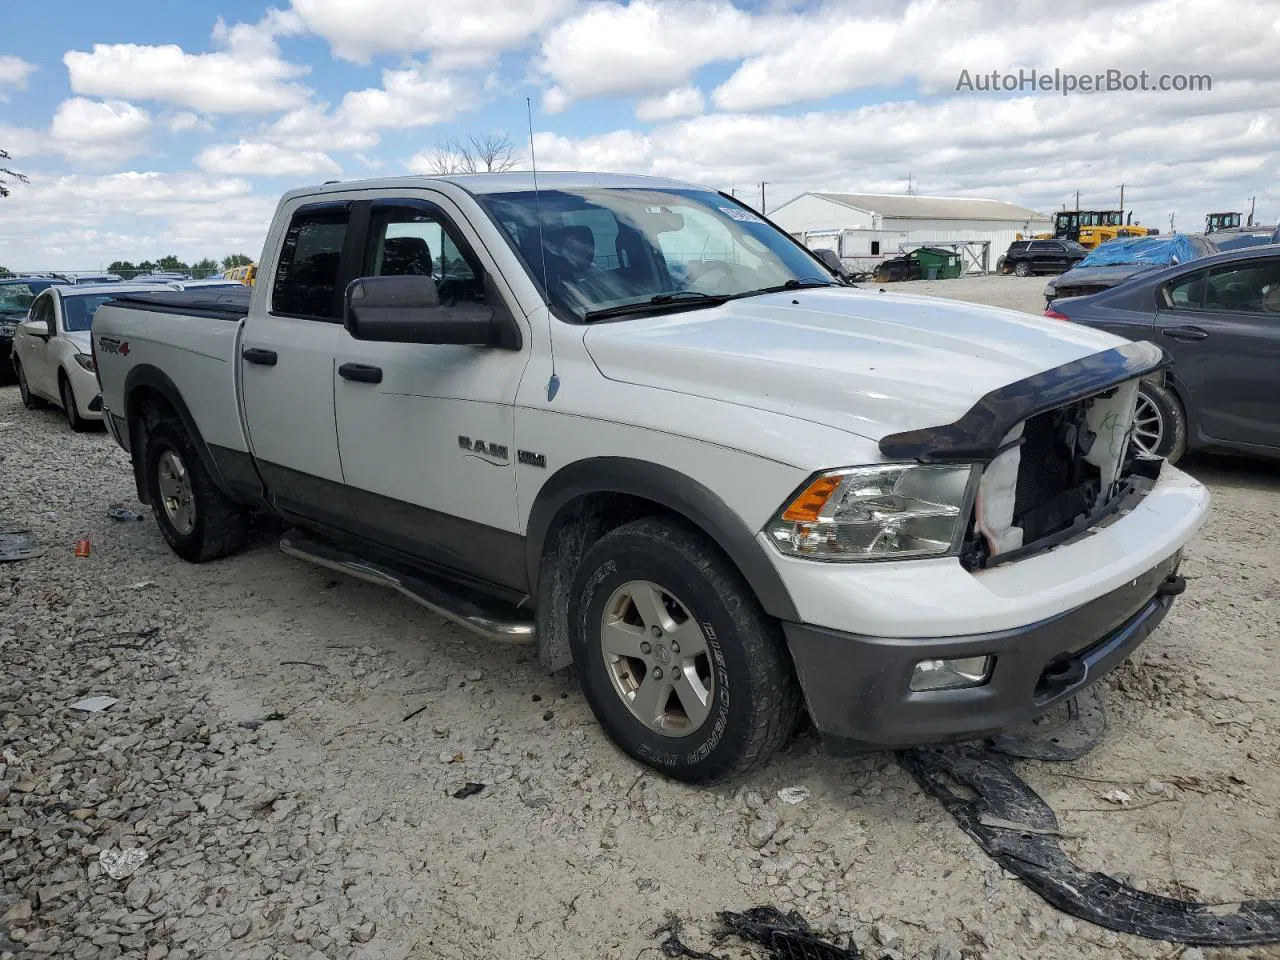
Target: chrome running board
pixel 456 604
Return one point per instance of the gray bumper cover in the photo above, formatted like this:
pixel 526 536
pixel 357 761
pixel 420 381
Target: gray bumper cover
pixel 858 688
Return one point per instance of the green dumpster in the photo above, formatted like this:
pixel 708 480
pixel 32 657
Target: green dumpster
pixel 937 263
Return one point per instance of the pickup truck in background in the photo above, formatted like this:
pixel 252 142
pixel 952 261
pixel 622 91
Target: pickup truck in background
pixel 632 421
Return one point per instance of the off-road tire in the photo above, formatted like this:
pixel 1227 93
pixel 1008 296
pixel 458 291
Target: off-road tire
pixel 220 526
pixel 29 399
pixel 1173 439
pixel 67 394
pixel 755 701
pixel 1022 269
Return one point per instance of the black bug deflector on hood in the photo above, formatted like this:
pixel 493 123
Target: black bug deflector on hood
pixel 976 436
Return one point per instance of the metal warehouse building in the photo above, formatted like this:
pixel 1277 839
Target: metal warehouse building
pixel 865 228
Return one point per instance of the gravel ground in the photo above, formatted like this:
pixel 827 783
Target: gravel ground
pixel 286 745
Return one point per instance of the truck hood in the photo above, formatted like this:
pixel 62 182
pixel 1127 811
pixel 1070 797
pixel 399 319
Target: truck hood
pixel 865 362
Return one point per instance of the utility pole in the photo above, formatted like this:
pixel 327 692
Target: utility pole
pixel 1171 230
pixel 910 191
pixel 762 209
pixel 1122 203
pixel 1077 199
pixel 1252 201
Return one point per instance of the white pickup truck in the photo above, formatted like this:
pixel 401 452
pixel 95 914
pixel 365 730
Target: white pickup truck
pixel 631 421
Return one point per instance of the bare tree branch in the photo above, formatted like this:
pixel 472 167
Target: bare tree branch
pixel 494 153
pixel 491 153
pixel 6 172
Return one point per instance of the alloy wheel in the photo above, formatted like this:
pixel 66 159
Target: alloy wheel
pixel 175 492
pixel 1148 426
pixel 657 658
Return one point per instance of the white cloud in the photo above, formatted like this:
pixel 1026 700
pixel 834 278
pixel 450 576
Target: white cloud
pixel 14 72
pixel 85 132
pixel 311 128
pixel 264 159
pixel 685 102
pixel 1177 153
pixel 185 121
pixel 85 222
pixel 645 47
pixel 843 48
pixel 456 31
pixel 412 96
pixel 247 75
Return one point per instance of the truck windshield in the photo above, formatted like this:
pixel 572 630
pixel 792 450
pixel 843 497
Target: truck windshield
pixel 617 251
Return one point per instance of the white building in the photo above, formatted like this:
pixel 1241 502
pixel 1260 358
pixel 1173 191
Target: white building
pixel 865 228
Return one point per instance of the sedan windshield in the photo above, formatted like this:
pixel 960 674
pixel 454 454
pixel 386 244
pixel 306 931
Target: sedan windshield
pixel 607 252
pixel 78 311
pixel 15 298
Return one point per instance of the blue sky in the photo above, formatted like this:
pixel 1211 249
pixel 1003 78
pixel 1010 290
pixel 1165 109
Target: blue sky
pixel 149 128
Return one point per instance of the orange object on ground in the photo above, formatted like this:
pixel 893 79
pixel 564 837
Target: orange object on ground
pixel 82 548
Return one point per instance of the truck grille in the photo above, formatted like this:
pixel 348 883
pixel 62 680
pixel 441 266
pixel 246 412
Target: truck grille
pixel 1055 483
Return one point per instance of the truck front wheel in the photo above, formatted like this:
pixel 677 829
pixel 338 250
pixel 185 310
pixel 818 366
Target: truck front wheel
pixel 197 520
pixel 680 665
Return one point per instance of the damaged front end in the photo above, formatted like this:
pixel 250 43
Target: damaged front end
pixel 1057 452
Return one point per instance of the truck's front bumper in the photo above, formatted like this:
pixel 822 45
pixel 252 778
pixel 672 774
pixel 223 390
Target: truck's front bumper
pixel 858 688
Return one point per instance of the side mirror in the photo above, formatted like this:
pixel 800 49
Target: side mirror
pixel 407 309
pixel 829 257
pixel 37 328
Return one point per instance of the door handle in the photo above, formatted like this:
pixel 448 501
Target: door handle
pixel 264 358
pixel 360 372
pixel 1185 333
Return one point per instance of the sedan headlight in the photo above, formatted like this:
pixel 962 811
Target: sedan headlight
pixel 1050 290
pixel 883 512
pixel 85 360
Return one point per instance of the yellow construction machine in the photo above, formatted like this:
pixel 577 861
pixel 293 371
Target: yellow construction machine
pixel 1092 227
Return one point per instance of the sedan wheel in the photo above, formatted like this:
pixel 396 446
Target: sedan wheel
pixel 1148 427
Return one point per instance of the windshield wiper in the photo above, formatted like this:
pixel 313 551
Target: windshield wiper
pixel 658 302
pixel 789 285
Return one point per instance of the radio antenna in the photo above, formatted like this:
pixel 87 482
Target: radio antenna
pixel 553 384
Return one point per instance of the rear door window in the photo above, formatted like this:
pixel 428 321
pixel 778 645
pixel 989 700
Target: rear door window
pixel 1187 293
pixel 306 280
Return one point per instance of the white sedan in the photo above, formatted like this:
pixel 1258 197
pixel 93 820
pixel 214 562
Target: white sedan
pixel 53 354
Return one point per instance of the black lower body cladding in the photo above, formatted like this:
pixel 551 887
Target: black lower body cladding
pixel 858 688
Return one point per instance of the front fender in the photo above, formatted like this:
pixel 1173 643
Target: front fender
pixel 678 493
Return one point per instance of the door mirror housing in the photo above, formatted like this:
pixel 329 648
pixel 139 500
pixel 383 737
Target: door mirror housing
pixel 831 259
pixel 407 309
pixel 37 328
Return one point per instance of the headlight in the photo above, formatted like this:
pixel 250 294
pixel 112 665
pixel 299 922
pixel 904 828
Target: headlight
pixel 1050 290
pixel 85 360
pixel 875 513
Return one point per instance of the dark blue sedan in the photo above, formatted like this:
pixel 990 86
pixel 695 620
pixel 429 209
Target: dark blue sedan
pixel 1219 319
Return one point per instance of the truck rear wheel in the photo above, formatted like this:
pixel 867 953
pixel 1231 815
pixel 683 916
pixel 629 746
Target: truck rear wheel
pixel 196 519
pixel 1022 268
pixel 680 665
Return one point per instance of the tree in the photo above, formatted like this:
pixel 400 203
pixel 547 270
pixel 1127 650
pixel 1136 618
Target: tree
pixel 491 153
pixel 170 263
pixel 6 172
pixel 205 268
pixel 4 272
pixel 232 260
pixel 122 268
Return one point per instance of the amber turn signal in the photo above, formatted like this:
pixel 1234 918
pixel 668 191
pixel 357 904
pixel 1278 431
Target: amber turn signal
pixel 807 507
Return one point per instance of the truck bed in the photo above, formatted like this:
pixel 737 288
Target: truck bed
pixel 187 337
pixel 223 304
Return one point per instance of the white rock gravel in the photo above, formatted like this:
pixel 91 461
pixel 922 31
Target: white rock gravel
pixel 259 755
